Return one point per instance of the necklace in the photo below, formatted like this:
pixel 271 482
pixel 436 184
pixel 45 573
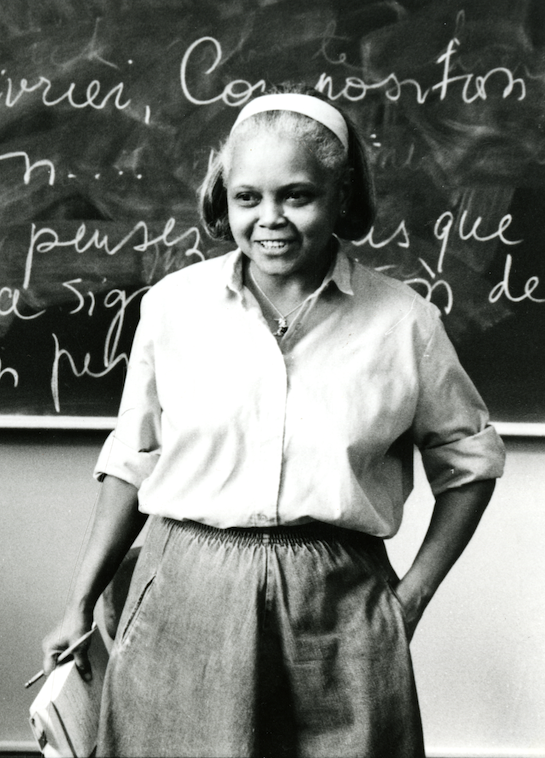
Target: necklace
pixel 283 320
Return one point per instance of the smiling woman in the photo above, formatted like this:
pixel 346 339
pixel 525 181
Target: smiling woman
pixel 282 202
pixel 264 618
pixel 283 208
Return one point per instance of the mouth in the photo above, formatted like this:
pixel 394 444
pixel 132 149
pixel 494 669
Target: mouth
pixel 274 245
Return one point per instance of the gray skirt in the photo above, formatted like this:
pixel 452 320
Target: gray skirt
pixel 260 642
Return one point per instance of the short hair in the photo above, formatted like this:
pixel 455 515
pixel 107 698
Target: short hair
pixel 327 148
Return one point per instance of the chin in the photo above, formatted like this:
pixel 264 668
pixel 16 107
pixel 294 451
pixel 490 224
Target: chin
pixel 276 267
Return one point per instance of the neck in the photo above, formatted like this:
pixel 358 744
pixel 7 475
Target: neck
pixel 292 287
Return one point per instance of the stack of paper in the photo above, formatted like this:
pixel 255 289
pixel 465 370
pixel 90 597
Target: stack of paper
pixel 64 714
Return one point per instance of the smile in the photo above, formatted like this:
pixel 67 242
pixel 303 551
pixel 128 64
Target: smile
pixel 273 244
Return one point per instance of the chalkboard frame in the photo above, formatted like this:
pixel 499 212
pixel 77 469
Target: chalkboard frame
pixel 107 423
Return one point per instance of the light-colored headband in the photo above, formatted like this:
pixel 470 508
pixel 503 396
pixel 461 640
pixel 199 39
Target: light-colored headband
pixel 307 105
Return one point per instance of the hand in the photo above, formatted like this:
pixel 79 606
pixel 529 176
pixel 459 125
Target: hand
pixel 412 604
pixel 66 634
pixel 455 517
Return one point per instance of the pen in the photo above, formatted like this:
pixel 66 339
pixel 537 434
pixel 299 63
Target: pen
pixel 64 655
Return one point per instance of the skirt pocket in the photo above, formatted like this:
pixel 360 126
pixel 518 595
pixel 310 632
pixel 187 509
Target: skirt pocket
pixel 396 598
pixel 391 580
pixel 136 610
pixel 399 605
pixel 148 568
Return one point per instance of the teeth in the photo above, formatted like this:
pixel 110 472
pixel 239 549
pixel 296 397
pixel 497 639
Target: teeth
pixel 272 245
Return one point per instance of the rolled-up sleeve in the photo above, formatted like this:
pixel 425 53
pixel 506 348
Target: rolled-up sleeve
pixel 132 450
pixel 451 425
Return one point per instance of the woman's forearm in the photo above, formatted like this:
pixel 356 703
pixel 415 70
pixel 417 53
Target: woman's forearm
pixel 455 517
pixel 116 525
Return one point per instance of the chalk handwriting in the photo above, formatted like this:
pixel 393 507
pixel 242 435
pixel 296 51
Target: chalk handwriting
pixel 356 89
pixel 115 298
pixel 236 93
pixel 9 304
pixel 396 156
pixel 92 97
pixel 465 230
pixel 61 353
pixel 9 372
pixel 29 167
pixel 430 287
pixel 445 222
pixel 45 239
pixel 401 231
pixel 504 287
pixel 327 37
pixel 81 299
pixel 442 231
pixel 480 82
pixel 474 87
pixel 170 259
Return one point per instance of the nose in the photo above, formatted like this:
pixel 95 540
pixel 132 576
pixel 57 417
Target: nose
pixel 271 213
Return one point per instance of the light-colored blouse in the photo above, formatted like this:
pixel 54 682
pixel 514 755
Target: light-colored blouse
pixel 222 423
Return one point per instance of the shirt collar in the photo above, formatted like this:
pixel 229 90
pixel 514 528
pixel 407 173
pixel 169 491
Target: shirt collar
pixel 233 271
pixel 340 273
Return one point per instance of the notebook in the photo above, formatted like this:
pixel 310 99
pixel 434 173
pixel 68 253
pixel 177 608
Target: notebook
pixel 64 715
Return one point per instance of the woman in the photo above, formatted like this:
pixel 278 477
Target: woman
pixel 273 399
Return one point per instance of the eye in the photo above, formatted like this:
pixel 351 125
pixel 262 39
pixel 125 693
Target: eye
pixel 246 199
pixel 299 196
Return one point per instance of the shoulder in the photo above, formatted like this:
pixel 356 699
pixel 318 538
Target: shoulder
pixel 204 272
pixel 190 284
pixel 391 295
pixel 368 280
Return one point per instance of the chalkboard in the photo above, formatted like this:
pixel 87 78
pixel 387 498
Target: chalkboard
pixel 109 110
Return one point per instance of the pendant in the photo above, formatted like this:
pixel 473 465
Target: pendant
pixel 282 327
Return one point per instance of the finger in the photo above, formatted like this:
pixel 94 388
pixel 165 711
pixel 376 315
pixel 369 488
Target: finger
pixel 81 660
pixel 50 662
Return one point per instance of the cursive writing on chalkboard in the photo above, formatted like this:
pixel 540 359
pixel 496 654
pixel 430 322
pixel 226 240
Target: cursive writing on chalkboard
pixel 235 93
pixel 9 304
pixel 80 297
pixel 475 87
pixel 430 287
pixel 480 82
pixel 443 227
pixel 369 238
pixel 46 239
pixel 29 167
pixel 356 89
pixel 9 372
pixel 12 95
pixel 85 371
pixel 504 287
pixel 110 357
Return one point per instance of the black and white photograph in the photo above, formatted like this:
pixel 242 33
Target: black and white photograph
pixel 272 385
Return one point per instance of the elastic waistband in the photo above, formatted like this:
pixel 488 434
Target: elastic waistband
pixel 303 534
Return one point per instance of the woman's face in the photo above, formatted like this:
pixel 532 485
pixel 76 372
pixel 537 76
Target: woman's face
pixel 282 205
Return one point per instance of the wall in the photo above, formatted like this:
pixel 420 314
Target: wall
pixel 479 651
